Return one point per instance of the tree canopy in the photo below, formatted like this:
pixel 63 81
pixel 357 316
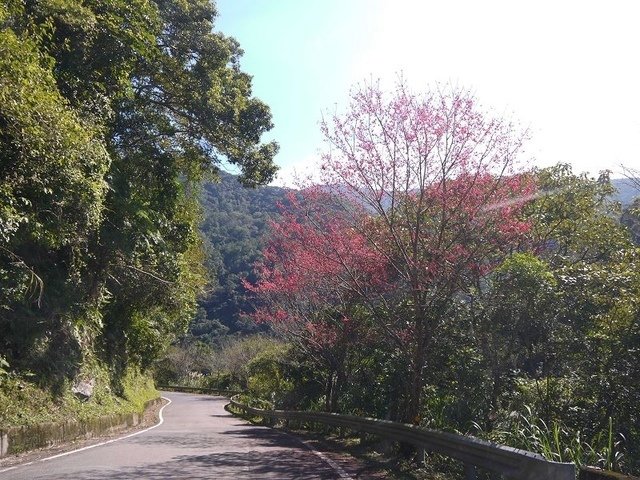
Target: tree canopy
pixel 111 114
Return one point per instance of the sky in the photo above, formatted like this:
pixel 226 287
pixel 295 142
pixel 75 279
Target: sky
pixel 566 70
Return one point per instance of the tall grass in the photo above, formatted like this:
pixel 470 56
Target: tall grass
pixel 559 443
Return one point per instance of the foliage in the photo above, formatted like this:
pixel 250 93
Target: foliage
pixel 419 200
pixel 184 364
pixel 576 366
pixel 472 301
pixel 23 402
pixel 236 355
pixel 574 219
pixel 111 115
pixel 234 225
pixel 267 375
pixel 258 364
pixel 558 443
pixel 52 186
pixel 4 365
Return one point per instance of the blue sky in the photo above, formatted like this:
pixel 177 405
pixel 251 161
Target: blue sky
pixel 567 70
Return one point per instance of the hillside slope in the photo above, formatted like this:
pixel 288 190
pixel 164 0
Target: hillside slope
pixel 235 221
pixel 627 190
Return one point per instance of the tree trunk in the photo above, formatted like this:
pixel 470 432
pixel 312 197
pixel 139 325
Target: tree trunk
pixel 327 392
pixel 425 330
pixel 414 388
pixel 339 381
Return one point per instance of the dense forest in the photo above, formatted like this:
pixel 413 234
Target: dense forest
pixel 111 116
pixel 234 228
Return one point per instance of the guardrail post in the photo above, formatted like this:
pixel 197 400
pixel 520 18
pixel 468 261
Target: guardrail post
pixel 420 457
pixel 470 472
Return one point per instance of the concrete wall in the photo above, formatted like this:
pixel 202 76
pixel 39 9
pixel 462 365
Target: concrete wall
pixel 22 439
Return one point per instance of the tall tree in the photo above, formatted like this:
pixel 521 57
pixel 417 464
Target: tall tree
pixel 429 186
pixel 145 100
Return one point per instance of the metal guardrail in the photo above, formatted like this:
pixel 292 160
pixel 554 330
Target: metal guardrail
pixel 512 463
pixel 209 391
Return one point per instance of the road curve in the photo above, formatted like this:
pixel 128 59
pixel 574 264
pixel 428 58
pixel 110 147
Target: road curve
pixel 198 439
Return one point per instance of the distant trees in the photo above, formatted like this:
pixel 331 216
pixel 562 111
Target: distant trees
pixel 234 227
pixel 631 215
pixel 111 113
pixel 633 175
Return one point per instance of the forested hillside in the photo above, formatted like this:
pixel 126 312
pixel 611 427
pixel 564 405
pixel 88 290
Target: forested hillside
pixel 234 227
pixel 111 115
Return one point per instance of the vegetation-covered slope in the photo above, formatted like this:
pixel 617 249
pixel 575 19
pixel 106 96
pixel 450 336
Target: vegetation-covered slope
pixel 235 228
pixel 235 223
pixel 111 115
pixel 626 190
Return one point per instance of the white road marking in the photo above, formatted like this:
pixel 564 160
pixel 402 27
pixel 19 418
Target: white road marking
pixel 160 422
pixel 339 470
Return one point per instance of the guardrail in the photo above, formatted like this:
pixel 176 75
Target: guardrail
pixel 512 463
pixel 209 391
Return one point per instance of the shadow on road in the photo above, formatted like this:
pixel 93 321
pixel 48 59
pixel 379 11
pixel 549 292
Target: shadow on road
pixel 257 436
pixel 271 437
pixel 283 465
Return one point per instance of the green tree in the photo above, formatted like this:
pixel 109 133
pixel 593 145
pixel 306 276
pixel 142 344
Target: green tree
pixel 574 218
pixel 514 324
pixel 131 104
pixel 52 192
pixel 587 332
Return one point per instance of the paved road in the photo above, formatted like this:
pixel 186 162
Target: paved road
pixel 198 439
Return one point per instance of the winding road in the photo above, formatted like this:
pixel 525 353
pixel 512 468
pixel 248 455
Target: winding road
pixel 196 439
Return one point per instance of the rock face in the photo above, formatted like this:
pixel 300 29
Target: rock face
pixel 83 388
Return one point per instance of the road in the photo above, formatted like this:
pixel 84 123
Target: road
pixel 197 439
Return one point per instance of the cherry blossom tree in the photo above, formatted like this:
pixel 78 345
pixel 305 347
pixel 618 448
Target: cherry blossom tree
pixel 419 199
pixel 316 274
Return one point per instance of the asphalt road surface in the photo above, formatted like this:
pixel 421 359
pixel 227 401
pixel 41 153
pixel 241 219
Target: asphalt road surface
pixel 197 439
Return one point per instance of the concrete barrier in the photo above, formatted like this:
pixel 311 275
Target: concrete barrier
pixel 22 439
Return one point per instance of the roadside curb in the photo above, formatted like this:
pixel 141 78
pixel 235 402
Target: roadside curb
pixel 22 439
